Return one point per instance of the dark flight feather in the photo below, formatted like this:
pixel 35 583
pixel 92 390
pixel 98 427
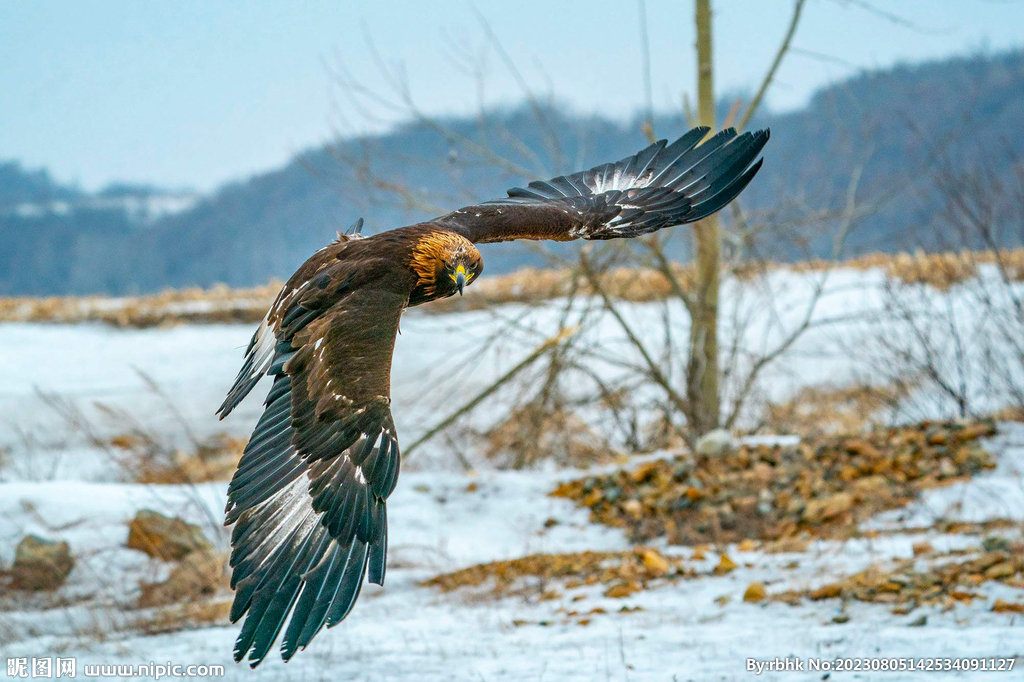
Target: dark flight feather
pixel 660 186
pixel 308 497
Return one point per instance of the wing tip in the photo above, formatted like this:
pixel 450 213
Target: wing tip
pixel 356 227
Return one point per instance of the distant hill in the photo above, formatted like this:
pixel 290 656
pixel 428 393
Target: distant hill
pixel 23 186
pixel 894 124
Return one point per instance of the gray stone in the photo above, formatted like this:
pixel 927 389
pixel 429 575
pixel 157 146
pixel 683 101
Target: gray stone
pixel 41 564
pixel 715 443
pixel 165 537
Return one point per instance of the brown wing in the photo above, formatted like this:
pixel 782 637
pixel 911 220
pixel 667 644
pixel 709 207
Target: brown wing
pixel 663 185
pixel 308 497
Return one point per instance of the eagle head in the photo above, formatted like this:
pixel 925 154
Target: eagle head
pixel 445 262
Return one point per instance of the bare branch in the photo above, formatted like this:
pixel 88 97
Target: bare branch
pixel 783 48
pixel 554 144
pixel 484 394
pixel 652 367
pixel 645 67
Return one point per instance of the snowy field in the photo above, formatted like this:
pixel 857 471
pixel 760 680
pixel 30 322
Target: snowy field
pixel 55 484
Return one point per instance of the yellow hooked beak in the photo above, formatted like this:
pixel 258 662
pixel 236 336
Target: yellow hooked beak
pixel 460 278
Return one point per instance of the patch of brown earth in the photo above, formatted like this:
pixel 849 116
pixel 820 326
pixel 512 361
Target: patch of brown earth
pixel 906 586
pixel 543 576
pixel 822 487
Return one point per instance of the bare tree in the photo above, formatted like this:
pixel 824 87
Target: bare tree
pixel 954 321
pixel 702 369
pixel 694 386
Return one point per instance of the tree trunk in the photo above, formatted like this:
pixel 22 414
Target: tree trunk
pixel 702 368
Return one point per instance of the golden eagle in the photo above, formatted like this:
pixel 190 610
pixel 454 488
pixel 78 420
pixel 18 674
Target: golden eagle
pixel 309 497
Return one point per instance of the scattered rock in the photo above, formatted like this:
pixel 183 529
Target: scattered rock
pixel 826 591
pixel 922 548
pixel 654 562
pixel 196 578
pixel 976 430
pixel 164 537
pixel 918 622
pixel 755 592
pixel 41 564
pixel 715 443
pixel 827 508
pixel 906 587
pixel 994 543
pixel 725 565
pixel 822 487
pixel 1003 569
pixel 621 590
pixel 747 545
pixel 859 446
pixel 633 508
pixel 788 545
pixel 1001 606
pixel 622 573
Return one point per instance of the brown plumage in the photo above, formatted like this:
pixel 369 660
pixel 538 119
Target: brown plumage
pixel 308 498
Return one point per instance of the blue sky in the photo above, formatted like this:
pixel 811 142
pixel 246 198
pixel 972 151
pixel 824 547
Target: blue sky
pixel 198 92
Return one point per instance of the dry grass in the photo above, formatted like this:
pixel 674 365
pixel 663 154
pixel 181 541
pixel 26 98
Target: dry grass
pixel 194 595
pixel 939 270
pixel 218 304
pixel 942 271
pixel 187 616
pixel 147 459
pixel 196 578
pixel 1009 414
pixel 144 454
pixel 532 433
pixel 821 410
pixel 221 304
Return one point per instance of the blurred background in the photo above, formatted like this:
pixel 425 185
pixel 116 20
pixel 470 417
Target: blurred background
pixel 224 143
pixel 793 429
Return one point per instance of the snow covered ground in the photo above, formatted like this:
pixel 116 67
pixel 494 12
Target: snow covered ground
pixel 407 631
pixel 56 485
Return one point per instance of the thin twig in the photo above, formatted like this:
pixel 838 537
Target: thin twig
pixel 783 48
pixel 483 395
pixel 652 367
pixel 645 68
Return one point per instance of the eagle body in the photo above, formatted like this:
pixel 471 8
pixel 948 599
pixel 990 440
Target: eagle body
pixel 308 500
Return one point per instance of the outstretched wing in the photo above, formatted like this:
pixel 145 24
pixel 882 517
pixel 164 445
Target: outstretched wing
pixel 663 185
pixel 308 497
